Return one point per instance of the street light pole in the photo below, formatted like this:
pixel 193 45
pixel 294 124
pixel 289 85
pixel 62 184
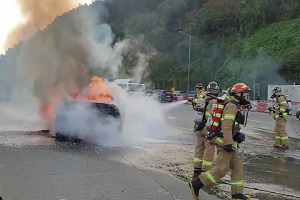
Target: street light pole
pixel 189 66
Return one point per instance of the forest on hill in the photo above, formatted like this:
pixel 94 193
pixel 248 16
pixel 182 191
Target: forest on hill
pixel 251 41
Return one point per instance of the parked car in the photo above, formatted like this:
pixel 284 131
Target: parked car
pixel 189 96
pixel 162 96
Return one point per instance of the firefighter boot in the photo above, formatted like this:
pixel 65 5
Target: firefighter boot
pixel 195 186
pixel 240 196
pixel 196 174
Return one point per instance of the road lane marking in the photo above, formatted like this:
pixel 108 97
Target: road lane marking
pixel 184 129
pixel 144 149
pixel 170 117
pixel 261 121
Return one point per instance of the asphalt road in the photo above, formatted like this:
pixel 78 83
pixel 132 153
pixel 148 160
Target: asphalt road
pixel 266 168
pixel 182 116
pixel 36 167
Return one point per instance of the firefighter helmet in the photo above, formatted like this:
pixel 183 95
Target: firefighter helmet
pixel 240 88
pixel 276 90
pixel 213 86
pixel 199 86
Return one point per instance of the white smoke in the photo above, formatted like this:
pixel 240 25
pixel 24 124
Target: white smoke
pixel 141 118
pixel 56 60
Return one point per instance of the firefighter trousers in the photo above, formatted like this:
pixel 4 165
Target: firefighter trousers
pixel 281 137
pixel 226 161
pixel 204 152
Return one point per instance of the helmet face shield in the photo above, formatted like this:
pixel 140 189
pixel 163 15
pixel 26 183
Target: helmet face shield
pixel 213 88
pixel 246 96
pixel 276 90
pixel 199 86
pixel 242 93
pixel 198 89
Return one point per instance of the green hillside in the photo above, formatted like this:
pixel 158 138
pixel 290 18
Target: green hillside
pixel 254 41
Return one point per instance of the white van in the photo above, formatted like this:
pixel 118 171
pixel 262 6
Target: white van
pixel 129 86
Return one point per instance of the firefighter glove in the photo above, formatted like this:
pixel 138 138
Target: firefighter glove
pixel 229 148
pixel 239 137
pixel 248 106
pixel 271 109
pixel 211 136
pixel 199 127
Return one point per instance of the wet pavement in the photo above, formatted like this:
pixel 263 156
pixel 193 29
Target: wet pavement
pixel 276 175
pixel 34 166
pixel 269 173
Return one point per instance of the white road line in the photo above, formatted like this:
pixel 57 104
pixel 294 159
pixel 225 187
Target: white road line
pixel 260 121
pixel 170 117
pixel 182 128
pixel 145 149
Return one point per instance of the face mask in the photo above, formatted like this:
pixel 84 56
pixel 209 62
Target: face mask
pixel 246 96
pixel 245 100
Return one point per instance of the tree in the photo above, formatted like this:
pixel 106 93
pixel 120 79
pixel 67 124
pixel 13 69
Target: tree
pixel 171 12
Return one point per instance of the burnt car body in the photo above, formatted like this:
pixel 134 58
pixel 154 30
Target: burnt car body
pixel 90 109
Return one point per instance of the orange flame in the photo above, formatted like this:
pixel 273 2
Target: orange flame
pixel 97 91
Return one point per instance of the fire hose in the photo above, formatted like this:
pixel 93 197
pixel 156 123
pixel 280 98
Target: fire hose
pixel 263 111
pixel 266 191
pixel 275 110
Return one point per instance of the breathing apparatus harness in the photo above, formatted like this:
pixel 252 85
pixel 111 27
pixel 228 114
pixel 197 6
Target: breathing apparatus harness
pixel 246 106
pixel 277 111
pixel 199 126
pixel 241 118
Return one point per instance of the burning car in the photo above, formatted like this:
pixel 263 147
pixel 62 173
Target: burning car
pixel 92 108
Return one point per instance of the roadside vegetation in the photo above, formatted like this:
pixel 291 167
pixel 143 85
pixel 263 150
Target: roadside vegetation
pixel 254 41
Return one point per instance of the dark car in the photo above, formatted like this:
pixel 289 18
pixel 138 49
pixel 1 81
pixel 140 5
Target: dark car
pixel 189 95
pixel 91 111
pixel 162 96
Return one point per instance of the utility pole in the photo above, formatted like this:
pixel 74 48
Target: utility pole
pixel 189 66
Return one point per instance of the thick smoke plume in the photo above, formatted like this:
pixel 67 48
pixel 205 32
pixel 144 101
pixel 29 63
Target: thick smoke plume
pixel 37 15
pixel 141 118
pixel 59 61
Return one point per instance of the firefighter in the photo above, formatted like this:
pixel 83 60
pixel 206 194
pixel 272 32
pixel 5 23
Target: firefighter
pixel 199 97
pixel 200 93
pixel 204 151
pixel 279 110
pixel 228 156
